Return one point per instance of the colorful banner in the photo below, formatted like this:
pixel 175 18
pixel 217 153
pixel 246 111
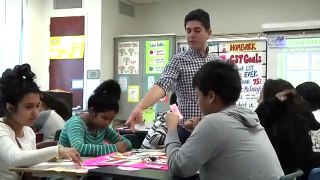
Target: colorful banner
pixel 250 57
pixel 133 93
pixel 67 47
pixel 157 56
pixel 128 57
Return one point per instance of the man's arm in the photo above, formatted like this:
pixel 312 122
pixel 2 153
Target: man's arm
pixel 159 90
pixel 153 96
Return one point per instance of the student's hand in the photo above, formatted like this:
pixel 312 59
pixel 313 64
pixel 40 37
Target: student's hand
pixel 70 153
pixel 191 123
pixel 172 120
pixel 134 118
pixel 121 146
pixel 283 95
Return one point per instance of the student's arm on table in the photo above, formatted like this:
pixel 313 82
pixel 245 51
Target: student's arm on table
pixel 76 137
pixel 14 156
pixel 114 137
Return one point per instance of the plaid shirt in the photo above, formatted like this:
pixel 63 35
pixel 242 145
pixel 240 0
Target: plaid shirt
pixel 178 74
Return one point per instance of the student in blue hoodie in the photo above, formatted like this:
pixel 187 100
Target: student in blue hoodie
pixel 229 142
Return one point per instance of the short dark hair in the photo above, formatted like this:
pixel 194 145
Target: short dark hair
pixel 198 15
pixel 220 77
pixel 15 84
pixel 310 92
pixel 273 86
pixel 57 104
pixel 105 97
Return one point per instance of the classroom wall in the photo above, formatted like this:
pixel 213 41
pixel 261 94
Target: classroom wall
pixel 10 28
pixel 113 24
pixel 103 22
pixel 227 16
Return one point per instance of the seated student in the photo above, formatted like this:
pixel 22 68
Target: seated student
pixel 87 132
pixel 20 97
pixel 310 92
pixel 52 117
pixel 286 119
pixel 157 133
pixel 229 142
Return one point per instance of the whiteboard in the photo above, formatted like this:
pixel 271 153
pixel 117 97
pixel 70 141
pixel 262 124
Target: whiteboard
pixel 294 58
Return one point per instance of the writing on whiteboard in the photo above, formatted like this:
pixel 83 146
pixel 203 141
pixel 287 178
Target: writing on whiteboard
pixel 246 58
pixel 243 46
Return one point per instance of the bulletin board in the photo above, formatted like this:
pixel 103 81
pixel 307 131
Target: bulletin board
pixel 139 62
pixel 250 55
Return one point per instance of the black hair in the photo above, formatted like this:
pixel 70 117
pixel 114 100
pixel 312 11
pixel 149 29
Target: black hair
pixel 310 92
pixel 198 15
pixel 294 112
pixel 57 104
pixel 220 77
pixel 105 97
pixel 173 98
pixel 273 86
pixel 15 84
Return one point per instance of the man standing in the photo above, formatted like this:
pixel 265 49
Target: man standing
pixel 179 72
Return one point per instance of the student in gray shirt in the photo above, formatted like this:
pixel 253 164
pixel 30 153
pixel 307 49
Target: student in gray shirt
pixel 229 142
pixel 53 114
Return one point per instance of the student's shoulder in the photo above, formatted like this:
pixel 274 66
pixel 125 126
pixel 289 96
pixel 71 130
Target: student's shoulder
pixel 75 120
pixel 29 132
pixel 215 119
pixel 180 56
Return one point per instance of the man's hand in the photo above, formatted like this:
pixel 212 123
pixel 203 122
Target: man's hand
pixel 134 118
pixel 283 95
pixel 172 120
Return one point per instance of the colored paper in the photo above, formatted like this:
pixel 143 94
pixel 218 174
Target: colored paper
pixel 157 56
pixel 67 47
pixel 128 57
pixel 175 110
pixel 134 159
pixel 133 93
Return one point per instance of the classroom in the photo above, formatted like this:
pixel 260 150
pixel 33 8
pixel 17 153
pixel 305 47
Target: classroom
pixel 115 73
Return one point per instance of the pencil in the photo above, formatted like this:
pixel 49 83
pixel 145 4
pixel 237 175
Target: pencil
pixel 119 137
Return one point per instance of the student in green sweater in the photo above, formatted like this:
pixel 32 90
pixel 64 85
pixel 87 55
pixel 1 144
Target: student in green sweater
pixel 87 132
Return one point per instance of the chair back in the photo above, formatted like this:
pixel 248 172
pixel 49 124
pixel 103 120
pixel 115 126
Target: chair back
pixel 133 139
pixel 57 135
pixel 45 144
pixel 314 174
pixel 293 176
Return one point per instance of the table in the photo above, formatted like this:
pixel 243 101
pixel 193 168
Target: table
pixel 64 169
pixel 143 174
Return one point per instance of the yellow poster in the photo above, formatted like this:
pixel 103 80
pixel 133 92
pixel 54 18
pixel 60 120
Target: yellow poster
pixel 67 47
pixel 133 93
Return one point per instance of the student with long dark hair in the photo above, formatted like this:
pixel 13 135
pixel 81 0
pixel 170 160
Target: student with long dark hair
pixel 20 98
pixel 286 118
pixel 87 132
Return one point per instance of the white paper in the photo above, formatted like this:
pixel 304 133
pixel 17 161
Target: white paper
pixel 77 84
pixel 128 168
pixel 128 57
